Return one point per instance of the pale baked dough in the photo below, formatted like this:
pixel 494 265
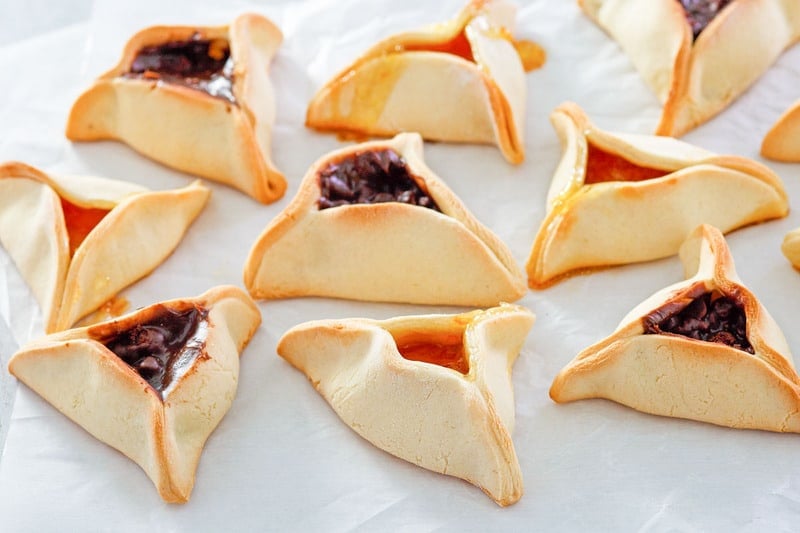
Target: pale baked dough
pixel 88 383
pixel 695 80
pixel 139 231
pixel 791 247
pixel 782 141
pixel 391 252
pixel 189 129
pixel 589 226
pixel 673 375
pixel 409 82
pixel 436 417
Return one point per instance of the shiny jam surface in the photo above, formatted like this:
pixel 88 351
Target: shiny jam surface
pixel 457 46
pixel 707 316
pixel 602 166
pixel 201 64
pixel 443 349
pixel 700 13
pixel 80 221
pixel 370 177
pixel 161 348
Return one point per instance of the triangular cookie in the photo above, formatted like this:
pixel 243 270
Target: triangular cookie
pixel 703 349
pixel 413 241
pixel 782 141
pixel 620 198
pixel 197 99
pixel 459 81
pixel 78 241
pixel 152 384
pixel 434 390
pixel 699 58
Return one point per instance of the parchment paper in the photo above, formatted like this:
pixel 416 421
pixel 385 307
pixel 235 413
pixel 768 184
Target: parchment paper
pixel 281 459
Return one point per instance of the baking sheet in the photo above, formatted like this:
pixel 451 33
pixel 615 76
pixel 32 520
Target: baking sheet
pixel 281 459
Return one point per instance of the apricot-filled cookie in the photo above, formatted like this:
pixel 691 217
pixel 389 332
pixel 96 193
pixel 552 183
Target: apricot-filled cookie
pixel 698 55
pixel 459 81
pixel 703 349
pixel 152 384
pixel 434 390
pixel 78 241
pixel 619 198
pixel 197 99
pixel 373 222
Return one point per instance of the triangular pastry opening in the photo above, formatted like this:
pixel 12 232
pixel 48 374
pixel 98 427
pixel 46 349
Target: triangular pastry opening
pixel 442 348
pixel 80 221
pixel 702 314
pixel 700 13
pixel 199 63
pixel 458 45
pixel 161 348
pixel 603 166
pixel 371 177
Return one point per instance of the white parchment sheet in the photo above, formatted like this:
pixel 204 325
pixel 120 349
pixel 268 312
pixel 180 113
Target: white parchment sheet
pixel 281 459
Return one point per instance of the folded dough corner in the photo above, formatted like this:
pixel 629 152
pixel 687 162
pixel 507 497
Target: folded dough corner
pixel 152 384
pixel 78 241
pixel 703 349
pixel 698 57
pixel 372 222
pixel 620 198
pixel 459 81
pixel 434 390
pixel 197 99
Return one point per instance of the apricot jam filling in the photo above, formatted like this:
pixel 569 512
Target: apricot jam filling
pixel 80 221
pixel 443 349
pixel 531 54
pixel 602 166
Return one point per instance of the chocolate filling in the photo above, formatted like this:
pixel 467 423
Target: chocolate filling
pixel 700 13
pixel 710 316
pixel 441 349
pixel 370 177
pixel 201 64
pixel 162 348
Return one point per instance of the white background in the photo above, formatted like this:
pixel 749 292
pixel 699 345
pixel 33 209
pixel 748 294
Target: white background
pixel 281 459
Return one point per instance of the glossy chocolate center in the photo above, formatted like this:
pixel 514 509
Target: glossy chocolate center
pixel 370 177
pixel 700 13
pixel 443 349
pixel 710 317
pixel 602 166
pixel 201 64
pixel 162 348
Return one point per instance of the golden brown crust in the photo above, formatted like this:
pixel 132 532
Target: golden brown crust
pixel 404 83
pixel 140 230
pixel 382 252
pixel 678 376
pixel 696 79
pixel 207 136
pixel 598 224
pixel 782 141
pixel 88 383
pixel 464 428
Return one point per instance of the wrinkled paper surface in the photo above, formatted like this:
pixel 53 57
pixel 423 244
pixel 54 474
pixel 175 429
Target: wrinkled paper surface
pixel 281 459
